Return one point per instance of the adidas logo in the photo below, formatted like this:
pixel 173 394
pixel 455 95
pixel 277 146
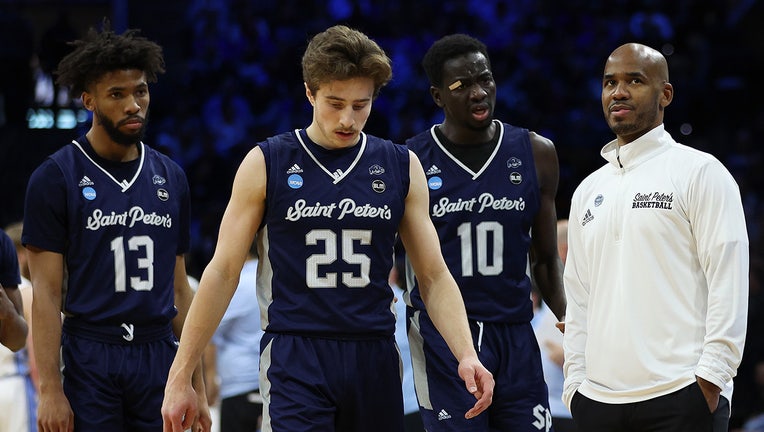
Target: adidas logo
pixel 86 182
pixel 294 169
pixel 443 415
pixel 588 217
pixel 433 170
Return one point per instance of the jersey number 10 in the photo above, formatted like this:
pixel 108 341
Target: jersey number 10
pixel 489 236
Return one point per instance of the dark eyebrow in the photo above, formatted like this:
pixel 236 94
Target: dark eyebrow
pixel 142 85
pixel 339 99
pixel 629 74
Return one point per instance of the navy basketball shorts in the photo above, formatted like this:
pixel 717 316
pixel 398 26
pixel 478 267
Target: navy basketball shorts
pixel 509 351
pixel 327 385
pixel 116 387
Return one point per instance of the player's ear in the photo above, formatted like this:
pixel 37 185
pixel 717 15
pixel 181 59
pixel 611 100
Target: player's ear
pixel 435 93
pixel 309 95
pixel 87 101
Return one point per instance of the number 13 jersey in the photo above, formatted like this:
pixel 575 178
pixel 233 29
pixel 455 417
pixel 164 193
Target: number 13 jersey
pixel 119 226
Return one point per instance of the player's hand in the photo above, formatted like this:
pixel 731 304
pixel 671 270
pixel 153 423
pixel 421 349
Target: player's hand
pixel 561 325
pixel 479 381
pixel 180 410
pixel 203 421
pixel 54 414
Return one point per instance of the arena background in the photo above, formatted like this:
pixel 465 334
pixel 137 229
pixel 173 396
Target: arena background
pixel 233 78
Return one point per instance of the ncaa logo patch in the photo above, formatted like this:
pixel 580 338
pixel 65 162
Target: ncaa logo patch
pixel 378 186
pixel 295 181
pixel 89 193
pixel 434 183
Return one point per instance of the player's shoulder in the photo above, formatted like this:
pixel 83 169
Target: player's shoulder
pixel 376 140
pixel 423 138
pixel 378 144
pixel 283 138
pixel 540 141
pixel 154 157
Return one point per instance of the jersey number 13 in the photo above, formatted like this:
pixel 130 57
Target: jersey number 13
pixel 146 263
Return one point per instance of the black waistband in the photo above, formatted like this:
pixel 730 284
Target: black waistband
pixel 123 334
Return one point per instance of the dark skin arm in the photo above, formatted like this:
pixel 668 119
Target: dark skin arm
pixel 13 327
pixel 546 265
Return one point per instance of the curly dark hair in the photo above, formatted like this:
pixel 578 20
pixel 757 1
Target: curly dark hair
pixel 341 53
pixel 445 49
pixel 100 53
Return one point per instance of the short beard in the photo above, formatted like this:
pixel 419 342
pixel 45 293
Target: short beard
pixel 123 139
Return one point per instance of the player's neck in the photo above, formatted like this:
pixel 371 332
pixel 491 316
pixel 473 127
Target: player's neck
pixel 106 148
pixel 464 136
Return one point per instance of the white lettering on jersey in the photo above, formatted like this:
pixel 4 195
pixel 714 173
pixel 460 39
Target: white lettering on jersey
pixel 129 218
pixel 484 201
pixel 347 206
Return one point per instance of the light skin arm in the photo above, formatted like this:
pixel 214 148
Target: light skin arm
pixel 26 295
pixel 54 414
pixel 211 384
pixel 183 299
pixel 13 327
pixel 439 291
pixel 546 265
pixel 216 287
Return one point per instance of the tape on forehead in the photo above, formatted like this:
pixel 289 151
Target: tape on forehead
pixel 455 85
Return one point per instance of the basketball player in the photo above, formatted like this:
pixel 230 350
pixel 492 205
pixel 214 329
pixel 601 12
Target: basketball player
pixel 17 391
pixel 325 204
pixel 114 213
pixel 492 188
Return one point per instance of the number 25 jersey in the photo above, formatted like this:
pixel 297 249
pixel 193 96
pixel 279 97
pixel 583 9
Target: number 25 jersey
pixel 328 233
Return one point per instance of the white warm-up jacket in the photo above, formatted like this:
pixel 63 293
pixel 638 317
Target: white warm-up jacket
pixel 656 275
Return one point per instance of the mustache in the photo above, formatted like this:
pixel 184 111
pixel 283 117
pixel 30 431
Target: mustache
pixel 130 119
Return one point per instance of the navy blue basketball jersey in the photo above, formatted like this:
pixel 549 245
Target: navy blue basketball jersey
pixel 119 237
pixel 483 220
pixel 10 274
pixel 328 233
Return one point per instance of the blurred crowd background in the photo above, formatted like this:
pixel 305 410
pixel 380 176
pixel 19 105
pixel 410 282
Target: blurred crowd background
pixel 234 78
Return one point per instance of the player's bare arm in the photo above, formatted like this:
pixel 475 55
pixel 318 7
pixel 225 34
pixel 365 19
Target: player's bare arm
pixel 439 290
pixel 216 287
pixel 13 327
pixel 47 270
pixel 546 265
